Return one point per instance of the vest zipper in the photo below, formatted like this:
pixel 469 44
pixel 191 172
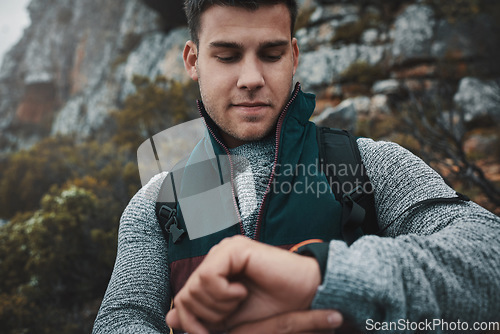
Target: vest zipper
pixel 242 231
pixel 278 135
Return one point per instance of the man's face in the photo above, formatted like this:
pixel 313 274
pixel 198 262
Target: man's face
pixel 244 63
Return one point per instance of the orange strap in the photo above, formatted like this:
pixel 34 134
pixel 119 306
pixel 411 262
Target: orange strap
pixel 305 242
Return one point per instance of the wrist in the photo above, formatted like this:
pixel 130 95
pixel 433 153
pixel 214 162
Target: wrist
pixel 312 280
pixel 317 251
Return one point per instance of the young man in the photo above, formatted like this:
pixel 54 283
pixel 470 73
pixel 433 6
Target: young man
pixel 431 262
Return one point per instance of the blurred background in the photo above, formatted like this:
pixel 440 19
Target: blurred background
pixel 83 83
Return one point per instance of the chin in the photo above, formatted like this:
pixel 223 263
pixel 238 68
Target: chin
pixel 252 132
pixel 255 136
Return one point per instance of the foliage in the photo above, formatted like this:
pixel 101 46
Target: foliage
pixel 52 260
pixel 29 174
pixel 57 258
pixel 154 107
pixel 64 199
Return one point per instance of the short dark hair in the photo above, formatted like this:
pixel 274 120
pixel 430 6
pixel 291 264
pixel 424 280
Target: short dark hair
pixel 194 9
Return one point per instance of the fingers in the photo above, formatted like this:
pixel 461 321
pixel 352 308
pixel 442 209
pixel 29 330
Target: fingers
pixel 203 305
pixel 186 321
pixel 311 321
pixel 217 288
pixel 172 319
pixel 206 300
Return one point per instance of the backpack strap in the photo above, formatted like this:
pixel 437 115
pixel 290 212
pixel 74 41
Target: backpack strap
pixel 341 162
pixel 166 210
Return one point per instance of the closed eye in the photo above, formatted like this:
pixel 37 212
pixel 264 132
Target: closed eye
pixel 228 59
pixel 271 57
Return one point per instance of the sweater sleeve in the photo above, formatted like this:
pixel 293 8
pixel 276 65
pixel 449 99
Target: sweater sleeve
pixel 137 297
pixel 440 261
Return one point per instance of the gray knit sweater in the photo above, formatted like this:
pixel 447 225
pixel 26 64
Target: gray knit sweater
pixel 253 163
pixel 441 261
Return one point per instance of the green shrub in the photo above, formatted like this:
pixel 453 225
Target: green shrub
pixel 53 260
pixel 155 106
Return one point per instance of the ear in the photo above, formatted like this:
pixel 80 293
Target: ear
pixel 190 56
pixel 295 53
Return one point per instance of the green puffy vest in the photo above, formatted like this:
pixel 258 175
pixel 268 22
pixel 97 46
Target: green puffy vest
pixel 298 206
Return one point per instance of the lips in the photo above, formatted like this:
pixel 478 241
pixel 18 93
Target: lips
pixel 251 104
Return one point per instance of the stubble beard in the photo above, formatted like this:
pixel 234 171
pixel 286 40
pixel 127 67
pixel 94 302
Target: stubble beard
pixel 218 117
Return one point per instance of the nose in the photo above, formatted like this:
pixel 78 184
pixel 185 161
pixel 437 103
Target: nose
pixel 251 74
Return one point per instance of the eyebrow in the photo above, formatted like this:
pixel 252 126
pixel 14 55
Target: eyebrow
pixel 234 45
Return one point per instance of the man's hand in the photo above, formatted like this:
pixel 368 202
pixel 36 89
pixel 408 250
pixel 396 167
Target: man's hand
pixel 303 322
pixel 242 281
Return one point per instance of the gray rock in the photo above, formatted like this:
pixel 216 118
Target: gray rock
pixel 312 38
pixel 317 15
pixel 389 86
pixel 83 115
pixel 361 104
pixel 158 54
pixel 68 117
pixel 343 116
pixel 323 25
pixel 370 36
pixel 316 68
pixel 379 103
pixel 323 67
pixel 478 98
pixel 343 12
pixel 413 34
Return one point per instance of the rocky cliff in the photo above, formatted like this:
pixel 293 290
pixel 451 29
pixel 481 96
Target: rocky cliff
pixel 368 51
pixel 76 61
